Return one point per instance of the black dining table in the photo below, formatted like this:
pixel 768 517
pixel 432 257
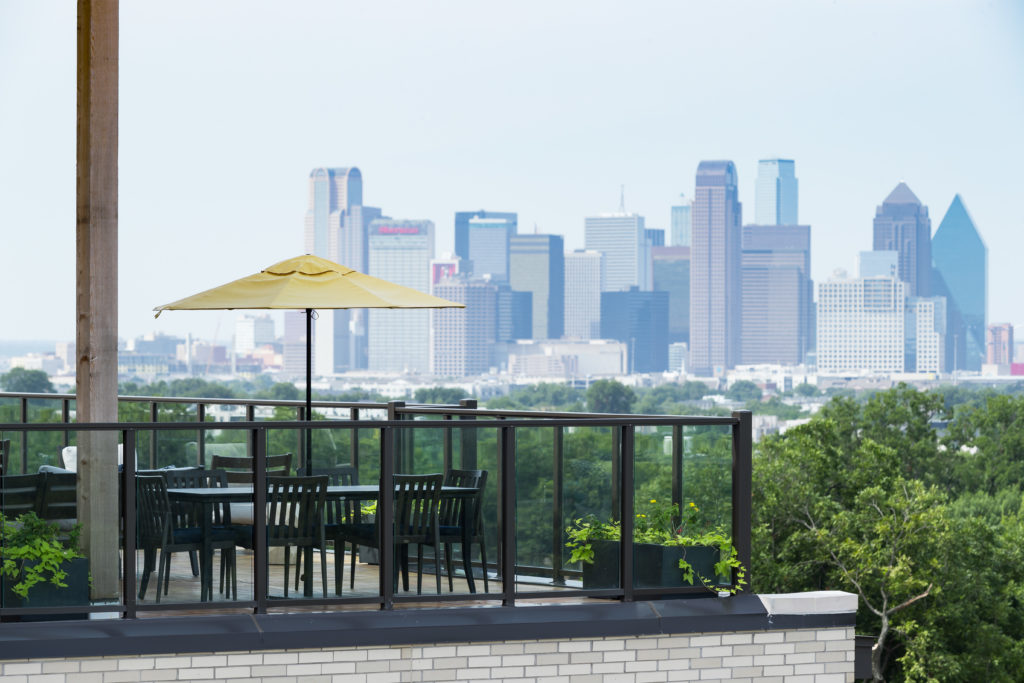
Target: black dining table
pixel 208 497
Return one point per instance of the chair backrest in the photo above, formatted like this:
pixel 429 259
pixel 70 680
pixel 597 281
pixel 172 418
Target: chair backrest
pixel 416 500
pixel 187 514
pixel 451 507
pixel 339 511
pixel 295 509
pixel 21 493
pixel 5 456
pixel 60 496
pixel 153 521
pixel 239 467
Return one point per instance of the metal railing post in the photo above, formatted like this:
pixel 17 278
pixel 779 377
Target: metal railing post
pixel 626 439
pixel 65 417
pixel 507 551
pixel 677 470
pixel 446 447
pixel 616 473
pixel 129 518
pixel 353 456
pixel 260 559
pixel 386 515
pixel 742 489
pixel 201 435
pixel 24 436
pixel 398 457
pixel 154 416
pixel 557 521
pixel 468 436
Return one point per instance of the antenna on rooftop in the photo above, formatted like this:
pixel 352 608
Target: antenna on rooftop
pixel 622 199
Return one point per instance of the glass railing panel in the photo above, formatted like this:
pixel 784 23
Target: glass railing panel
pixel 590 507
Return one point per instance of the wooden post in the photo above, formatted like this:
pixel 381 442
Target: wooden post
pixel 96 287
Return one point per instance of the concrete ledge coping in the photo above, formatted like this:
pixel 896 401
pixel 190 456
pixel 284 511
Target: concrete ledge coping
pixel 812 602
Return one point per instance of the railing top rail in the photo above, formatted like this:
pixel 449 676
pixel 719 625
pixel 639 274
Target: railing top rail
pixel 609 421
pixel 406 409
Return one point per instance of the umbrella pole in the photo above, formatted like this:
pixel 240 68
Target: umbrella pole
pixel 309 390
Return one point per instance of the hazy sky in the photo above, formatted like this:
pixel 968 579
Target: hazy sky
pixel 544 108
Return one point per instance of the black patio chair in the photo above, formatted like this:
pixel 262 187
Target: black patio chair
pixel 337 511
pixel 454 514
pixel 158 529
pixel 295 518
pixel 239 467
pixel 415 521
pixel 188 513
pixel 21 493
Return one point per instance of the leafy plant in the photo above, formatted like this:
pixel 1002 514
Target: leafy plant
pixel 33 551
pixel 661 523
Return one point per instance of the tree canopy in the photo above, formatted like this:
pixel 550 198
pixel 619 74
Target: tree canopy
pixel 25 381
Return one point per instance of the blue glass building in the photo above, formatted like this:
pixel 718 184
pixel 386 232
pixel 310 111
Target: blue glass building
pixel 960 274
pixel 481 240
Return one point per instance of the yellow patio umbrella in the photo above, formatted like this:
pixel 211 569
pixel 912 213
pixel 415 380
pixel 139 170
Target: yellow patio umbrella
pixel 307 282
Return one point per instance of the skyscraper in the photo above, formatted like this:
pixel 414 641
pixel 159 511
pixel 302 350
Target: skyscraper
pixel 336 225
pixel 481 241
pixel 621 237
pixel 400 252
pixel 583 287
pixel 778 295
pixel 252 331
pixel 776 192
pixel 861 325
pixel 463 338
pixel 960 258
pixel 715 301
pixel 671 266
pixel 902 225
pixel 537 265
pixel 680 225
pixel 641 320
pixel 1000 344
pixel 925 333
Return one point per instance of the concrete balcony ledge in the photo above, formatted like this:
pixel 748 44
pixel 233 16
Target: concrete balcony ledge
pixel 362 628
pixel 812 602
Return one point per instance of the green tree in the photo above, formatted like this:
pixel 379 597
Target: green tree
pixel 608 396
pixel 24 381
pixel 743 390
pixel 805 389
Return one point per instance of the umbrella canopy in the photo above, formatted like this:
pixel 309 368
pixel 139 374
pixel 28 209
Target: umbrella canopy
pixel 308 282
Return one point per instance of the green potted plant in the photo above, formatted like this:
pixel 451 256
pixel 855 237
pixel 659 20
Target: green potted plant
pixel 670 548
pixel 41 566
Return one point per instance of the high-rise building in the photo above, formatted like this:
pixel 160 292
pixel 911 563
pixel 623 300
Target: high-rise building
pixel 715 288
pixel 861 325
pixel 463 338
pixel 777 191
pixel 902 225
pixel 481 241
pixel 925 334
pixel 671 268
pixel 680 225
pixel 537 265
pixel 640 319
pixel 621 237
pixel 778 295
pixel 514 314
pixel 252 331
pixel 400 251
pixel 879 263
pixel 336 225
pixel 655 237
pixel 583 286
pixel 1000 344
pixel 960 258
pixel 295 343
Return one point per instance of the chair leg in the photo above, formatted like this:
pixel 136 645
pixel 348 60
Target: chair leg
pixel 405 567
pixel 160 572
pixel 483 561
pixel 339 567
pixel 298 567
pixel 194 561
pixel 419 569
pixel 448 566
pixel 287 562
pixel 323 568
pixel 467 564
pixel 148 563
pixel 352 569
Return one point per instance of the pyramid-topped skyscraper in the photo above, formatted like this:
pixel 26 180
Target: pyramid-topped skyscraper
pixel 960 274
pixel 902 225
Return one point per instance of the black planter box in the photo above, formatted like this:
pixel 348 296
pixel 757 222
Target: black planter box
pixel 46 594
pixel 654 566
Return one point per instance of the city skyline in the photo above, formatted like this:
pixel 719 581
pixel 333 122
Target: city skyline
pixel 188 122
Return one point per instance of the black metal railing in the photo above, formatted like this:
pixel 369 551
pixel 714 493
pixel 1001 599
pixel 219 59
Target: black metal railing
pixel 405 442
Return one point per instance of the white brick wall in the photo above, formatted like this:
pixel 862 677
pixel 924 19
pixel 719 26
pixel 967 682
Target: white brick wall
pixel 795 656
